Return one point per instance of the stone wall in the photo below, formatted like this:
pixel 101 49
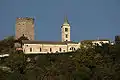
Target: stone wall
pixel 45 48
pixel 63 32
pixel 100 42
pixel 25 26
pixel 72 46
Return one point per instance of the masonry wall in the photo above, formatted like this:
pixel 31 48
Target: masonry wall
pixel 45 48
pixel 72 46
pixel 63 33
pixel 25 26
pixel 100 42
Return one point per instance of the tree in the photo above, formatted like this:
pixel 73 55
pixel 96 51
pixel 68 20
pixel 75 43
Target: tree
pixel 92 63
pixel 17 62
pixel 19 40
pixel 7 45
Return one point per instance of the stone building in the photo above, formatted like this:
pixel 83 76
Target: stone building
pixel 88 43
pixel 31 46
pixel 25 26
pixel 100 42
pixel 117 39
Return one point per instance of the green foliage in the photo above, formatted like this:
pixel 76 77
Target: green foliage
pixel 86 44
pixel 3 74
pixel 7 45
pixel 17 62
pixel 91 63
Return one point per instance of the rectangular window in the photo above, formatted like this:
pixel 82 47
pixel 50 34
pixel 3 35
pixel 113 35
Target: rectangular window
pixel 30 49
pixel 24 50
pixel 66 35
pixel 50 49
pixel 40 49
pixel 66 29
pixel 60 49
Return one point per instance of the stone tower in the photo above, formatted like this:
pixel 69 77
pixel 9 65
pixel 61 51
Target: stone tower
pixel 25 26
pixel 65 30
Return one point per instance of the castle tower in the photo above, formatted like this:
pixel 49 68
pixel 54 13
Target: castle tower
pixel 65 30
pixel 25 26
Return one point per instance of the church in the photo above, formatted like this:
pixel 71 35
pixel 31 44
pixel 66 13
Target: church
pixel 25 26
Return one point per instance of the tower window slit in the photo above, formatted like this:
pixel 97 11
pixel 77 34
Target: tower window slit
pixel 66 35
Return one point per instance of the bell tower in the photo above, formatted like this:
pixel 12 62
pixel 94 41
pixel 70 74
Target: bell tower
pixel 65 30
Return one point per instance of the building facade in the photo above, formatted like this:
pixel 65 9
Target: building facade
pixel 43 47
pixel 100 42
pixel 65 30
pixel 25 26
pixel 117 39
pixel 89 43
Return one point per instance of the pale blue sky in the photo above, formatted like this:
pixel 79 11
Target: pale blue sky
pixel 89 19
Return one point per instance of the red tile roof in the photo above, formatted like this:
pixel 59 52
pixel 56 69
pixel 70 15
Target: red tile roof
pixel 47 42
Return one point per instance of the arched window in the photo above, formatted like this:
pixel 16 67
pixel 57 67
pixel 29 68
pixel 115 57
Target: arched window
pixel 40 49
pixel 74 49
pixel 66 29
pixel 60 49
pixel 30 49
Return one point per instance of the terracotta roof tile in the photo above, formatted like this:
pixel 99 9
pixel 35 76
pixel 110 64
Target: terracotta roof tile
pixel 47 42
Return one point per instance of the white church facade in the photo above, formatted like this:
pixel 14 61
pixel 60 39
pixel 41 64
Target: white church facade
pixel 36 47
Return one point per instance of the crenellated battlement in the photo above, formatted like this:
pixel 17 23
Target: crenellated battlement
pixel 26 19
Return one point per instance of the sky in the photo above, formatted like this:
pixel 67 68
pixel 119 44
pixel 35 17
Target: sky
pixel 89 19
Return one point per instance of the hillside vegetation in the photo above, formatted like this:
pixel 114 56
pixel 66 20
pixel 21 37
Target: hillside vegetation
pixel 92 63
